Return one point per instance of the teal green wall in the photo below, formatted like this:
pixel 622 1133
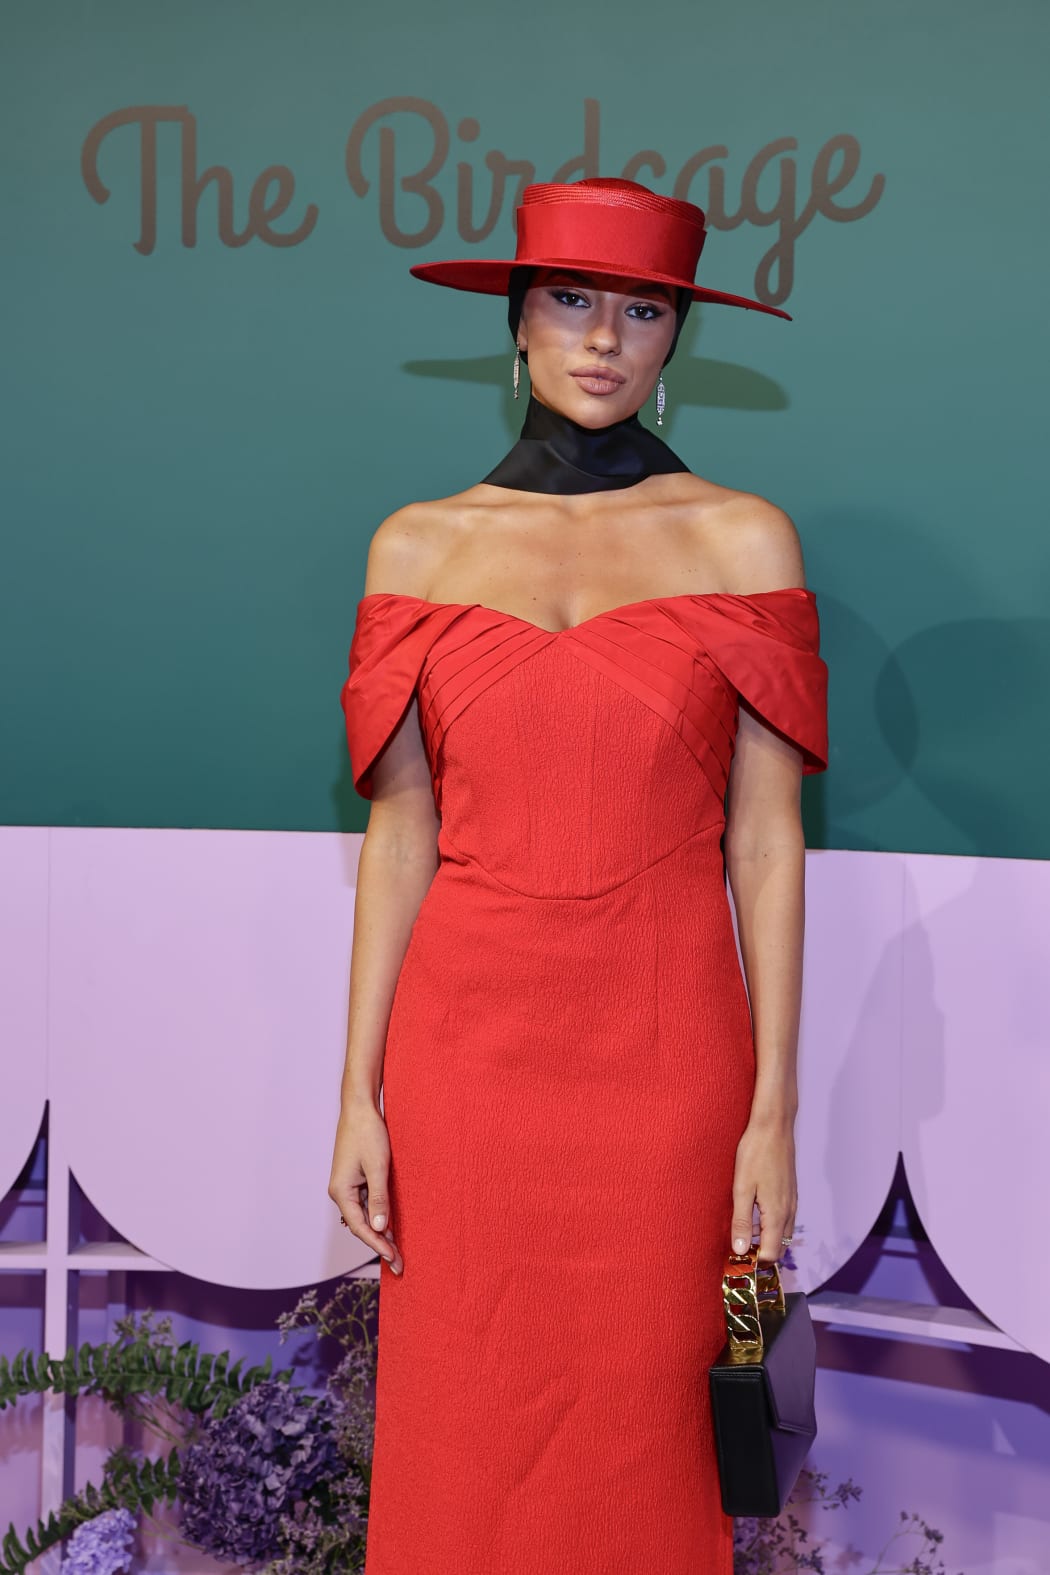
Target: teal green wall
pixel 198 441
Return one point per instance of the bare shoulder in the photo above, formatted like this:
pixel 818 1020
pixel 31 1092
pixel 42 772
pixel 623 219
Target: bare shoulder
pixel 756 542
pixel 409 544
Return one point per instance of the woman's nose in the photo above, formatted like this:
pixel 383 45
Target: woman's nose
pixel 603 334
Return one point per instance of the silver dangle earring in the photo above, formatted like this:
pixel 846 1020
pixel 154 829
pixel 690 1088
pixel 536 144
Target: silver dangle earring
pixel 517 371
pixel 661 401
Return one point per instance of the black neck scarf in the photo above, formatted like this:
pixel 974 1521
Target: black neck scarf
pixel 557 455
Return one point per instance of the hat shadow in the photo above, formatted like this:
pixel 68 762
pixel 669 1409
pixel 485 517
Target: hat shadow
pixel 691 380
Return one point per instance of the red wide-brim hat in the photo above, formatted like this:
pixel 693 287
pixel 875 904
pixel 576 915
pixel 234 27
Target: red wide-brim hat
pixel 616 229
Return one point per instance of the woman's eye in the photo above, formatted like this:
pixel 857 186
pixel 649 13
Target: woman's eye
pixel 572 297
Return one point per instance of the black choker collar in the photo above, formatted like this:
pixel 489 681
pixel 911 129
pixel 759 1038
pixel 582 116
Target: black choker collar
pixel 555 454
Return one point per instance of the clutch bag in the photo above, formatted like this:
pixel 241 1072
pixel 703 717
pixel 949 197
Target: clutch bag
pixel 762 1388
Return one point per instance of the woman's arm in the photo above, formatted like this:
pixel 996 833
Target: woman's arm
pixel 397 863
pixel 765 854
pixel 766 863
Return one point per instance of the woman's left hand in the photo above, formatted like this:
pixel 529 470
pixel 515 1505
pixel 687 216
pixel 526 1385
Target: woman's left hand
pixel 765 1174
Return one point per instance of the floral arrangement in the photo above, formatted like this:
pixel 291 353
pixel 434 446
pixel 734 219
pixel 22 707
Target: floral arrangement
pixel 265 1475
pixel 273 1478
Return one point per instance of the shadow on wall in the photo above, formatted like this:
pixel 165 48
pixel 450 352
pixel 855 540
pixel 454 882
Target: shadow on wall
pixel 976 684
pixel 950 714
pixel 696 380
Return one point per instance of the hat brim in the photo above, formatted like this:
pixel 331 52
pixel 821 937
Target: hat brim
pixel 485 277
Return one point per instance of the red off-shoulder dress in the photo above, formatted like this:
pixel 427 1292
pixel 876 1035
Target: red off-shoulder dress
pixel 569 1067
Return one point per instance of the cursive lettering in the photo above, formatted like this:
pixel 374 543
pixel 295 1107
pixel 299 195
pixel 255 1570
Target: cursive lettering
pixel 408 143
pixel 261 212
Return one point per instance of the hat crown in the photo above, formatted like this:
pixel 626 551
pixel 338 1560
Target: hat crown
pixel 610 191
pixel 604 225
pixel 610 226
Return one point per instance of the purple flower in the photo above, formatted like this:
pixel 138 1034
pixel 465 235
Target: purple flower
pixel 102 1546
pixel 319 1538
pixel 254 1464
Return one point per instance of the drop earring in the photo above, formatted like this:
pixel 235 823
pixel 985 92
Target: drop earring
pixel 517 371
pixel 661 401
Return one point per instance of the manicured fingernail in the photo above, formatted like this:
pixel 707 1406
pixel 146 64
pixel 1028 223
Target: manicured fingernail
pixel 740 1244
pixel 378 1221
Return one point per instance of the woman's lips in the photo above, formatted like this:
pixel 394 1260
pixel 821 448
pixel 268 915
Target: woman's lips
pixel 598 385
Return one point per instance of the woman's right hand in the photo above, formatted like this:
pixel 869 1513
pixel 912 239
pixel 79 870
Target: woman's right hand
pixel 362 1159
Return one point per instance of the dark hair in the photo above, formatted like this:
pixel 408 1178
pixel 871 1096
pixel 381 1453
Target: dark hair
pixel 521 280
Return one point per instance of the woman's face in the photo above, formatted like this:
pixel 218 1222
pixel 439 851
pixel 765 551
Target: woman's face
pixel 595 345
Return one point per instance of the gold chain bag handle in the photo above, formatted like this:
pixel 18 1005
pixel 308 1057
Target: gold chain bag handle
pixel 748 1286
pixel 762 1388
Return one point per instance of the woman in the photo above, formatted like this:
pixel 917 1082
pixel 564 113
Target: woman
pixel 617 688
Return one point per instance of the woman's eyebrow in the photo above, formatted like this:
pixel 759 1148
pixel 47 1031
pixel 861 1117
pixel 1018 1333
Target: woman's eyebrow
pixel 640 287
pixel 632 286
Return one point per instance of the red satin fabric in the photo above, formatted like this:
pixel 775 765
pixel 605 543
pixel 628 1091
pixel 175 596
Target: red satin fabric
pixel 639 243
pixel 569 1067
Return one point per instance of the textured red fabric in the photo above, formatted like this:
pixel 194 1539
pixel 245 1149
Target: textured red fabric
pixel 569 1067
